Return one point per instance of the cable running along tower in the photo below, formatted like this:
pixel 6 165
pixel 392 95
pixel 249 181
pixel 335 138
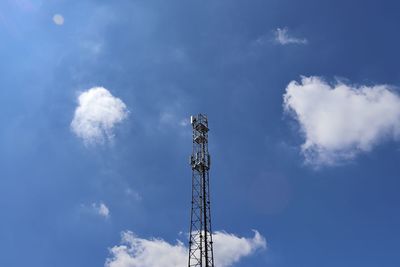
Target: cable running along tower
pixel 200 241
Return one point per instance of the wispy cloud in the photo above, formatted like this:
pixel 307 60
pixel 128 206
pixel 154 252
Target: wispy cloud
pixel 133 194
pixel 93 47
pixel 184 122
pixel 173 119
pixel 138 252
pixel 97 114
pixel 339 121
pixel 283 37
pixel 97 209
pixel 101 209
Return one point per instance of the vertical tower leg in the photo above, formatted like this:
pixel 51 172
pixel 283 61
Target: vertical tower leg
pixel 200 241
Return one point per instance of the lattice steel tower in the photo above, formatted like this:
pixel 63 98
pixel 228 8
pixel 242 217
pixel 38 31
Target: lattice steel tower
pixel 200 241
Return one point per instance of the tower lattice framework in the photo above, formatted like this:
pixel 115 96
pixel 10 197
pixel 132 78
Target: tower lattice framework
pixel 200 241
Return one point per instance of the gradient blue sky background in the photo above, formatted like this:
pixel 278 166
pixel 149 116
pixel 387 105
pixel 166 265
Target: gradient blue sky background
pixel 167 60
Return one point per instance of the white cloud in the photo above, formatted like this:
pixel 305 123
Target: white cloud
pixel 101 209
pixel 282 37
pixel 138 252
pixel 229 248
pixel 97 114
pixel 58 19
pixel 339 121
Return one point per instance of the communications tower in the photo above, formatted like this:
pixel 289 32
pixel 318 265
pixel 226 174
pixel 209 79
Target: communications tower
pixel 200 241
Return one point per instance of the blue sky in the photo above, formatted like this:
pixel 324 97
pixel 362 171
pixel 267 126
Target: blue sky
pixel 311 165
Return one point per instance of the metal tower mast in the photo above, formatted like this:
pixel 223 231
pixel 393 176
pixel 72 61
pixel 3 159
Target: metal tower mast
pixel 200 241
